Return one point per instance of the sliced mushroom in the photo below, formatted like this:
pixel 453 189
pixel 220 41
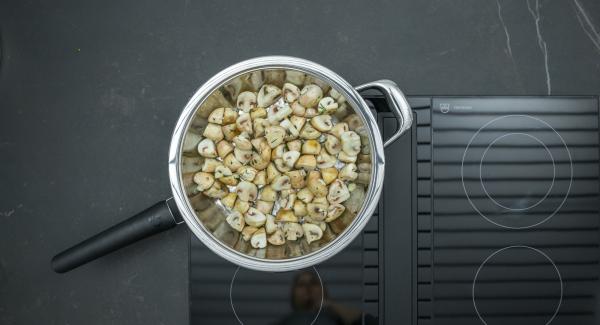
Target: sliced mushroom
pixel 265 207
pixel 312 232
pixel 267 95
pixel 297 178
pixel 298 122
pixel 206 148
pixel 229 200
pixel 224 148
pixel 291 92
pixel 254 217
pixel 236 220
pixel 306 162
pixel 230 131
pixel 317 211
pixel 241 206
pixel 327 105
pixel 310 112
pixel 210 165
pixel 272 172
pixel 258 112
pixel 281 165
pixel 310 95
pixel 190 143
pixel 344 157
pixel 278 151
pixel 335 94
pixel 247 191
pixel 242 142
pixel 231 162
pixel 295 77
pixel 309 132
pixel 338 192
pixel 286 216
pixel 204 180
pixel 222 171
pixel 261 178
pixel 325 160
pixel 213 132
pixel 191 164
pixel 294 145
pixel 259 239
pixel 275 77
pixel 247 173
pixel 363 178
pixel 342 111
pixel 247 232
pixel 332 144
pixel 322 123
pixel 290 158
pixel 216 116
pixel 229 115
pixel 277 238
pixel 311 147
pixel 334 211
pixel 229 180
pixel 300 208
pixel 281 183
pixel 287 202
pixel 267 193
pixel 217 190
pixel 260 124
pixel 270 225
pixel 277 113
pixel 339 128
pixel 305 195
pixel 244 123
pixel 293 231
pixel 348 172
pixel 297 109
pixel 274 135
pixel 315 184
pixel 364 159
pixel 329 174
pixel 243 156
pixel 353 121
pixel 350 143
pixel 292 133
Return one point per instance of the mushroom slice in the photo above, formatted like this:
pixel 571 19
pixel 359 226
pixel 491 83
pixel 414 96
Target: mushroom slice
pixel 213 132
pixel 236 220
pixel 247 191
pixel 286 216
pixel 244 123
pixel 333 145
pixel 297 109
pixel 317 211
pixel 224 148
pixel 350 143
pixel 312 232
pixel 231 162
pixel 274 135
pixel 310 112
pixel 272 172
pixel 190 143
pixel 309 132
pixel 241 206
pixel 217 190
pixel 292 132
pixel 204 180
pixel 242 142
pixel 277 238
pixel 363 178
pixel 230 131
pixel 287 202
pixel 339 128
pixel 316 185
pixel 265 207
pixel 258 112
pixel 229 180
pixel 338 192
pixel 243 156
pixel 327 105
pixel 267 193
pixel 322 123
pixel 348 172
pixel 259 239
pixel 222 171
pixel 300 208
pixel 311 147
pixel 290 158
pixel 270 225
pixel 260 124
pixel 229 115
pixel 254 217
pixel 334 211
pixel 329 174
pixel 210 165
pixel 291 92
pixel 325 160
pixel 297 178
pixel 294 145
pixel 246 101
pixel 267 95
pixel 344 157
pixel 293 231
pixel 261 178
pixel 305 195
pixel 281 166
pixel 353 121
pixel 306 162
pixel 310 95
pixel 295 77
pixel 206 148
pixel 278 151
pixel 216 116
pixel 247 173
pixel 278 112
pixel 281 183
pixel 229 200
pixel 247 232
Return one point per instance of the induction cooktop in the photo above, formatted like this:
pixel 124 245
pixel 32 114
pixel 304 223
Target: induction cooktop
pixel 489 215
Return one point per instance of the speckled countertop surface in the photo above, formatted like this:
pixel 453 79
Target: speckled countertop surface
pixel 90 91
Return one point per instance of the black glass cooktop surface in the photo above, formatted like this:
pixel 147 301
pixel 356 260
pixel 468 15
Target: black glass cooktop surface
pixel 489 215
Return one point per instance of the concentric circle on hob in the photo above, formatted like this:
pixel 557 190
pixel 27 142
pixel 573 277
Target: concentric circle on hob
pixel 516 171
pixel 517 282
pixel 254 294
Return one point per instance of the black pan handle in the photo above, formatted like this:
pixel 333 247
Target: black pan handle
pixel 162 216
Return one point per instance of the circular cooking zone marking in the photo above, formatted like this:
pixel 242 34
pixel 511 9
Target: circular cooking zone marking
pixel 517 282
pixel 516 171
pixel 274 294
pixel 520 205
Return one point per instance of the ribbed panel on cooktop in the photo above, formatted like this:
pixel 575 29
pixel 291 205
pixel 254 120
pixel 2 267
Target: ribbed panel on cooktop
pixel 512 198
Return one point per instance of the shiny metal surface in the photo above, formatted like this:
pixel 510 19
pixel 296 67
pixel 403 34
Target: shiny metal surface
pixel 355 101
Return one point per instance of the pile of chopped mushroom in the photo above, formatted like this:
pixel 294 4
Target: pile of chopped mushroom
pixel 283 161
